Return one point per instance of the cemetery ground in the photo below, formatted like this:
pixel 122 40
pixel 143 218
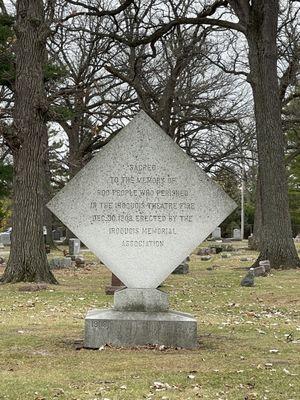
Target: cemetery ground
pixel 249 338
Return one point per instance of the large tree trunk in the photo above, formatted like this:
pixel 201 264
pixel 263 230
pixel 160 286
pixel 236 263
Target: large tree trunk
pixel 75 158
pixel 28 261
pixel 257 218
pixel 276 241
pixel 75 162
pixel 48 216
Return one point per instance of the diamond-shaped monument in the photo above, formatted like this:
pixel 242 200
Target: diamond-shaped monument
pixel 141 205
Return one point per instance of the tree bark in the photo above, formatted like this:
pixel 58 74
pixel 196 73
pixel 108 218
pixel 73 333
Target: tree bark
pixel 276 241
pixel 28 261
pixel 48 216
pixel 257 218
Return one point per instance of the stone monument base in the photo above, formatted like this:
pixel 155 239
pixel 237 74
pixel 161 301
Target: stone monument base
pixel 130 328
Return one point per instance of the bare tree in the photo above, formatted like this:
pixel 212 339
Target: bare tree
pixel 27 261
pixel 28 140
pixel 199 106
pixel 257 22
pixel 89 103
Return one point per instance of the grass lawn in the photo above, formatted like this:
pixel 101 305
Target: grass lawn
pixel 249 339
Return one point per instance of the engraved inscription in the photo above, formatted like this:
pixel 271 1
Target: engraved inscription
pixel 141 196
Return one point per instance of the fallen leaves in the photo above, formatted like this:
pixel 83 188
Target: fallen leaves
pixel 274 351
pixel 286 371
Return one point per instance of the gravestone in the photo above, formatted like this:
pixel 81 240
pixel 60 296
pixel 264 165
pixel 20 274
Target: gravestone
pixel 237 234
pixel 60 262
pixel 216 234
pixel 142 206
pixel 5 238
pixel 266 265
pixel 74 247
pixel 251 242
pixel 55 234
pixel 182 268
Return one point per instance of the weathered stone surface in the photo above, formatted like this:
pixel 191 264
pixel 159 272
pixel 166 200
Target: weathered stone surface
pixel 79 261
pixel 207 251
pixel 266 264
pixel 259 271
pixel 141 300
pixel 204 251
pixel 237 234
pixel 143 204
pixel 216 233
pixel 182 269
pixel 56 235
pixel 5 238
pixel 251 242
pixel 74 247
pixel 248 280
pixel 60 262
pixel 127 329
pixel 142 208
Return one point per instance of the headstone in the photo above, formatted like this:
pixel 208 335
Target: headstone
pixel 205 251
pixel 182 268
pixel 5 238
pixel 266 264
pixel 259 271
pixel 60 262
pixel 216 234
pixel 250 241
pixel 116 284
pixel 262 269
pixel 55 234
pixel 74 248
pixel 248 280
pixel 237 234
pixel 79 261
pixel 142 206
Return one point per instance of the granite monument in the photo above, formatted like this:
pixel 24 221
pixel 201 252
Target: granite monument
pixel 142 207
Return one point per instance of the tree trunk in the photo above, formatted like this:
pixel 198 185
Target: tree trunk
pixel 48 216
pixel 276 242
pixel 28 261
pixel 75 162
pixel 257 218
